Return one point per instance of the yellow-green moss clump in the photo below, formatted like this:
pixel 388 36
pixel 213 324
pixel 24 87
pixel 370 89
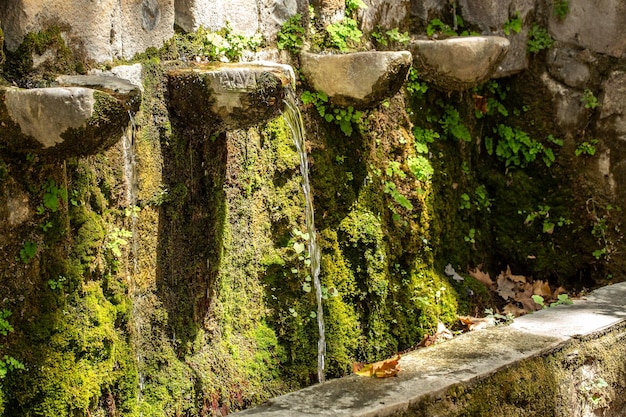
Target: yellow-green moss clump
pixel 48 43
pixel 71 307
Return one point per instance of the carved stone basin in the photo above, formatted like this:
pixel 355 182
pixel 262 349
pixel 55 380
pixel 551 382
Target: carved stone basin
pixel 66 120
pixel 457 64
pixel 360 79
pixel 222 97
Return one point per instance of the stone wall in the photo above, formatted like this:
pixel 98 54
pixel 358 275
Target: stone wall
pixel 168 252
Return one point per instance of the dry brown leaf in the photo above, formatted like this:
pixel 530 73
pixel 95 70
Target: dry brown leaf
pixel 476 323
pixel 506 287
pixel 514 278
pixel 382 369
pixel 542 288
pixel 557 292
pixel 481 276
pixel 514 310
pixel 525 298
pixel 442 334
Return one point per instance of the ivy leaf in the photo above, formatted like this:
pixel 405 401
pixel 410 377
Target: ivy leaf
pixel 298 247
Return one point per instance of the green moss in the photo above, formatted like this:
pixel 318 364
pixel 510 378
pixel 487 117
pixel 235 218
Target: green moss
pixel 2 56
pixel 19 67
pixel 341 318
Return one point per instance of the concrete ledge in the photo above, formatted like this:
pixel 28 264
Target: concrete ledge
pixel 553 362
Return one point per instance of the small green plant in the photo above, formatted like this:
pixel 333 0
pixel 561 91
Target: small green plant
pixel 354 5
pixel 132 211
pixel 589 99
pixel 398 197
pixel 344 34
pixel 392 36
pixel 514 24
pixel 28 251
pixel 299 247
pixel 465 168
pixel 437 26
pixel 561 8
pixel 466 202
pixel 548 224
pixel 7 363
pixel 488 99
pixel 586 148
pixel 499 319
pixel 517 149
pixel 5 326
pixel 481 199
pixel 117 238
pixel 420 167
pixel 452 125
pixel 52 197
pixel 291 35
pixel 57 284
pixel 46 226
pixel 471 236
pixel 346 118
pixel 539 39
pixel 605 235
pixel 423 137
pixel 413 85
pixel 223 45
pixel 562 299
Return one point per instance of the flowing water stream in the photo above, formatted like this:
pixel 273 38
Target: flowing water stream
pixel 293 117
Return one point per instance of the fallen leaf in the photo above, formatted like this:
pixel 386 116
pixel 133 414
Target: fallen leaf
pixel 477 323
pixel 481 276
pixel 382 369
pixel 514 310
pixel 557 292
pixel 506 287
pixel 542 288
pixel 514 278
pixel 525 298
pixel 440 335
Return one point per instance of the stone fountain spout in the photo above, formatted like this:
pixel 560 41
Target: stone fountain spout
pixel 79 116
pixel 222 97
pixel 359 79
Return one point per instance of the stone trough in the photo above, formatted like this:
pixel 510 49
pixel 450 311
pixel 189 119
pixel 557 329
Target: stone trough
pixel 564 361
pixel 79 116
pixel 223 97
pixel 457 64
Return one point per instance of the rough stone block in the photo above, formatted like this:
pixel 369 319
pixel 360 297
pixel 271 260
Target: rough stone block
pixel 613 105
pixel 105 29
pixel 594 24
pixel 567 66
pixel 387 14
pixel 246 17
pixel 491 15
pixel 425 9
